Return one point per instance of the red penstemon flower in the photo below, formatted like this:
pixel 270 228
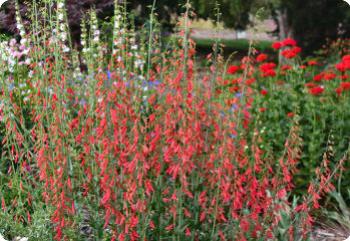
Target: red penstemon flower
pixel 174 148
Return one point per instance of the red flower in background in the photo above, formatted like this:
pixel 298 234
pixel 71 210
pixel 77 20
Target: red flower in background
pixel 290 114
pixel 329 76
pixel 310 85
pixel 232 69
pixel 346 58
pixel 268 69
pixel 344 65
pixel 341 67
pixel 261 57
pixel 318 77
pixel 286 67
pixel 344 77
pixel 277 45
pixel 264 92
pixel 250 81
pixel 339 90
pixel 289 42
pixel 345 85
pixel 316 90
pixel 291 53
pixel 312 62
pixel 267 66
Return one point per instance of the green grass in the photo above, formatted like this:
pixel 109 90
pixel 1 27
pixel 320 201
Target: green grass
pixel 234 44
pixel 241 45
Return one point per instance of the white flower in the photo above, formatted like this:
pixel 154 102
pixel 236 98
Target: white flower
pixel 21 239
pixel 23 41
pixel 1 237
pixel 19 26
pixel 62 27
pixel 60 5
pixel 66 49
pixel 348 2
pixel 60 17
pixel 28 61
pixel 63 36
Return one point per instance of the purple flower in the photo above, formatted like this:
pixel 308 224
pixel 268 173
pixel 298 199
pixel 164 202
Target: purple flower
pixel 234 107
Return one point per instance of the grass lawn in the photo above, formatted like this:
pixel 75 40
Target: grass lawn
pixel 234 44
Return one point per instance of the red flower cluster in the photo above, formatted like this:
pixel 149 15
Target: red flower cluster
pixel 291 49
pixel 344 86
pixel 291 53
pixel 344 65
pixel 268 69
pixel 319 77
pixel 329 76
pixel 317 90
pixel 261 57
pixel 233 69
pixel 287 42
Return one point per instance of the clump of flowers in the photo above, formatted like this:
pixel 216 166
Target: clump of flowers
pixel 123 153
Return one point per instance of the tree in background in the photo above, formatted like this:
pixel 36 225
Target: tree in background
pixel 234 13
pixel 311 22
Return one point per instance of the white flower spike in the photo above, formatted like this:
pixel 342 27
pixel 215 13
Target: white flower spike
pixel 347 1
pixel 2 2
